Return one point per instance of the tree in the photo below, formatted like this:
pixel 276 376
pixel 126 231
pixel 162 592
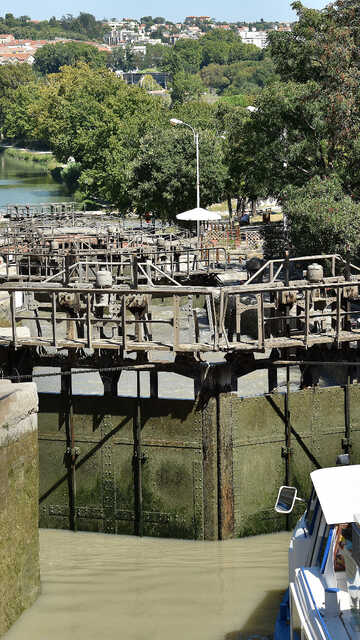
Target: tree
pixel 51 57
pixel 149 83
pixel 164 172
pixel 321 219
pixel 154 56
pixel 12 76
pixel 214 76
pixel 116 59
pixel 308 123
pixel 185 56
pixel 186 87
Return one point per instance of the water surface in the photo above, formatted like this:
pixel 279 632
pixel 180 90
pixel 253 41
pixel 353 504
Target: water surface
pixel 102 587
pixel 23 182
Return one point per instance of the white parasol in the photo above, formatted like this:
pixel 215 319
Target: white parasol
pixel 198 215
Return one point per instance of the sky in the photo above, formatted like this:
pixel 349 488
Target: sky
pixel 230 10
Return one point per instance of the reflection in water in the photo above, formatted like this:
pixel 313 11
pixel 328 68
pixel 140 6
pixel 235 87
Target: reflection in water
pixel 108 587
pixel 23 182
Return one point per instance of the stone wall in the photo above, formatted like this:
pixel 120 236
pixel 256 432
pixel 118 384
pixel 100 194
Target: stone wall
pixel 19 492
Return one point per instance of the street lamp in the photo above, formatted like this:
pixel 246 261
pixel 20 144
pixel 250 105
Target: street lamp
pixel 175 122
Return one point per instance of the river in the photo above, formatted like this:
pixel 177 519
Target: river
pixel 127 588
pixel 23 182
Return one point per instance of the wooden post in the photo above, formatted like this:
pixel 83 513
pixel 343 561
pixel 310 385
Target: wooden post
pixel 13 318
pixel 346 442
pixel 71 452
pixel 137 462
pixel 154 384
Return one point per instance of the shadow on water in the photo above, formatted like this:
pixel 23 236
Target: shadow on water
pixel 264 614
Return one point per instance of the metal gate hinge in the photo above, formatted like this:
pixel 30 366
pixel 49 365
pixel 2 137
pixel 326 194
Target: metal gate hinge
pixel 346 444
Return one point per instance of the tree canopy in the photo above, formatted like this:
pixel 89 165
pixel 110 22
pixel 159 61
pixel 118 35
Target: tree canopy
pixel 306 126
pixel 51 57
pixel 83 27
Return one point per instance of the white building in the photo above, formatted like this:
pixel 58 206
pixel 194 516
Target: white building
pixel 258 38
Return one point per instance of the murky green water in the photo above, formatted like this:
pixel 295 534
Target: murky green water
pixel 97 586
pixel 24 182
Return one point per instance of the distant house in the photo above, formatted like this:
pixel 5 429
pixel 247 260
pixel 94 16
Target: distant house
pixel 6 38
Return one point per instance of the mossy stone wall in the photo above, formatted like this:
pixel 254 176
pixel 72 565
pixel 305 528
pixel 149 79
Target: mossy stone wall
pixel 19 494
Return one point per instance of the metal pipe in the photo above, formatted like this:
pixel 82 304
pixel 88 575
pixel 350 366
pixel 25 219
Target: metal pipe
pixel 137 462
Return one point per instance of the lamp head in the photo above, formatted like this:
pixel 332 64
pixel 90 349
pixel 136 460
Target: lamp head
pixel 175 121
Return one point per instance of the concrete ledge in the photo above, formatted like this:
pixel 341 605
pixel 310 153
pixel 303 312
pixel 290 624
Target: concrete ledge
pixel 21 332
pixel 18 403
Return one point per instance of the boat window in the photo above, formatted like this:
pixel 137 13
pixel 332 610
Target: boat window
pixel 311 512
pixel 344 539
pixel 324 548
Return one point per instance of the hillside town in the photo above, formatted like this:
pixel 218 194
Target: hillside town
pixel 23 50
pixel 139 34
pixel 131 31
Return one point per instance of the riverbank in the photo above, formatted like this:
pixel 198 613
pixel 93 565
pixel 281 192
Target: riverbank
pixel 26 176
pixel 41 159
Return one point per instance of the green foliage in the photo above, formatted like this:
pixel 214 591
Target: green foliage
pixel 70 175
pixel 149 84
pixel 164 171
pixel 83 27
pixel 124 59
pixel 184 57
pixel 248 76
pixel 185 87
pixel 238 100
pixel 322 219
pixel 12 76
pixel 308 124
pixel 51 57
pixel 155 54
pixel 215 47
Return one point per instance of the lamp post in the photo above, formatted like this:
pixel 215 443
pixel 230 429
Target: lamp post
pixel 175 122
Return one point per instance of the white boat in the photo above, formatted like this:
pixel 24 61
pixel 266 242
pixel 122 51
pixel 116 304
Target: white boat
pixel 323 600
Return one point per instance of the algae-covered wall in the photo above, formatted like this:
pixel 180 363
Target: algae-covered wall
pixel 19 494
pixel 317 416
pixel 208 471
pixel 174 468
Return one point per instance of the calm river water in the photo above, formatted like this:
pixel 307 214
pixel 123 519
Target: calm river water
pixel 24 182
pixel 97 586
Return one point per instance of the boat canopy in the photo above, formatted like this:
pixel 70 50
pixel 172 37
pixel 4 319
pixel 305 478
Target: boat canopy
pixel 338 490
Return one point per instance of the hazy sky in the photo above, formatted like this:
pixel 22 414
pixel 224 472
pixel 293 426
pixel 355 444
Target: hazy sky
pixel 232 10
